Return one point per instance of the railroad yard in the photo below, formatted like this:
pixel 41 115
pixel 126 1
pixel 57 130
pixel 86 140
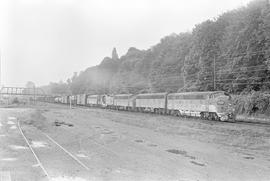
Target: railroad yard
pixel 53 142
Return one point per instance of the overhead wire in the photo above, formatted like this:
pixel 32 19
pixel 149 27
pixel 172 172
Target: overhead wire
pixel 208 74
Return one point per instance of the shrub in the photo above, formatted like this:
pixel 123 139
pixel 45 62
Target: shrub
pixel 15 101
pixel 253 103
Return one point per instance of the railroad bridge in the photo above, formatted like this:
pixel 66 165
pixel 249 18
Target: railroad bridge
pixel 21 94
pixel 22 91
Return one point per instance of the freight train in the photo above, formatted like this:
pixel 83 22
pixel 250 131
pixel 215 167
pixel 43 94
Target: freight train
pixel 214 105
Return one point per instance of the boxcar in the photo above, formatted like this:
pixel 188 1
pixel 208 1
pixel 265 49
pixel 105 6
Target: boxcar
pixel 81 99
pixel 154 102
pixel 123 102
pixel 93 100
pixel 108 101
pixel 72 99
pixel 57 99
pixel 65 99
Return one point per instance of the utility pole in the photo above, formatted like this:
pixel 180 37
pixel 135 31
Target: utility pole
pixel 0 68
pixel 184 81
pixel 214 73
pixel 70 102
pixel 34 94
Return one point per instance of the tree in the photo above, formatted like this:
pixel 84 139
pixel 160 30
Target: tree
pixel 237 43
pixel 30 84
pixel 114 54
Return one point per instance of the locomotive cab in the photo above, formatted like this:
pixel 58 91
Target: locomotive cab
pixel 221 103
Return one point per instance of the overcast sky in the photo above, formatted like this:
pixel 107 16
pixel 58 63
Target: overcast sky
pixel 47 40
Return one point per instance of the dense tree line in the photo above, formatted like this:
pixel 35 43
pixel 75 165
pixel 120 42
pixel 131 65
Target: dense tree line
pixel 230 52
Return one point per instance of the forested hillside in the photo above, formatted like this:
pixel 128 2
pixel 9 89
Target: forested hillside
pixel 230 52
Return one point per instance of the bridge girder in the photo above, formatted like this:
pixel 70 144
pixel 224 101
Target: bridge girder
pixel 22 91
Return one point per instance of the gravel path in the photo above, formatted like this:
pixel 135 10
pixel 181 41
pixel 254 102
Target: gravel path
pixel 133 146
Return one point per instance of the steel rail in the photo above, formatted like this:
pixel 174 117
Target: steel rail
pixel 66 151
pixel 33 152
pixel 235 122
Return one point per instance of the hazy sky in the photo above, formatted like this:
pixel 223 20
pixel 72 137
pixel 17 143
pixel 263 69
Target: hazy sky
pixel 47 40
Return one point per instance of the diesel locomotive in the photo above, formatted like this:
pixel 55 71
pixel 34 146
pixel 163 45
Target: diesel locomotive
pixel 212 105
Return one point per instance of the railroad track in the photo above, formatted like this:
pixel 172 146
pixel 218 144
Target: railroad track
pixel 103 146
pixel 71 156
pixel 100 144
pixel 258 123
pixel 263 124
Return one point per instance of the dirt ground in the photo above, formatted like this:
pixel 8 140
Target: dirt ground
pixel 95 144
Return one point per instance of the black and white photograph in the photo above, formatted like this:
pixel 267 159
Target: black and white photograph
pixel 134 90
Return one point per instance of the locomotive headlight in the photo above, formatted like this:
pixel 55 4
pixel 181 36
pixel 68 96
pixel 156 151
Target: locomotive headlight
pixel 224 118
